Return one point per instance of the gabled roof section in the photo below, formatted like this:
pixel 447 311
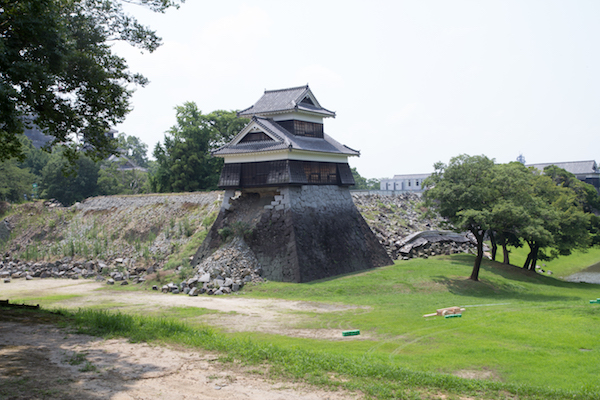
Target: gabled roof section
pixel 282 140
pixel 299 99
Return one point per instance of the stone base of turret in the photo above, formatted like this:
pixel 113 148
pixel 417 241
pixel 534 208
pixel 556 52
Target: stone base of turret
pixel 298 233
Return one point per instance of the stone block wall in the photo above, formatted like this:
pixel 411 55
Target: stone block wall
pixel 302 233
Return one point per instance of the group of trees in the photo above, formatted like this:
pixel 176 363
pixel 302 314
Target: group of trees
pixel 362 183
pixel 513 204
pixel 183 161
pixel 52 175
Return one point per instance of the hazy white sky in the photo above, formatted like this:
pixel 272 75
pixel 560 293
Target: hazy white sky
pixel 412 82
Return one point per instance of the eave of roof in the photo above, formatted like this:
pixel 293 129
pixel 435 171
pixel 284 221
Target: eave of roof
pixel 282 140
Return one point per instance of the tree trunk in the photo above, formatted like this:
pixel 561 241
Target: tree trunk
pixel 529 256
pixel 534 258
pixel 505 254
pixel 494 245
pixel 502 242
pixel 479 236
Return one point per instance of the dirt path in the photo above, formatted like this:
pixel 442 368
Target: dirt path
pixel 237 313
pixel 42 361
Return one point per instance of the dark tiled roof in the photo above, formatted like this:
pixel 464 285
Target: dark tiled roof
pixel 574 167
pixel 282 100
pixel 284 140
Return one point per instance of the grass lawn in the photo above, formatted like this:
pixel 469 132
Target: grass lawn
pixel 518 327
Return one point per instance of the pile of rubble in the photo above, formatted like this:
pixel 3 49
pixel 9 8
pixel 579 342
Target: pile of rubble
pixel 408 229
pixel 431 243
pixel 226 270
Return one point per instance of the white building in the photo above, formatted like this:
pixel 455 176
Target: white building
pixel 404 183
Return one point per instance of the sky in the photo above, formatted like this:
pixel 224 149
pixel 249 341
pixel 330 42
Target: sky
pixel 412 82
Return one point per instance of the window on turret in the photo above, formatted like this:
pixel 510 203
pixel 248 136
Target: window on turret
pixel 303 128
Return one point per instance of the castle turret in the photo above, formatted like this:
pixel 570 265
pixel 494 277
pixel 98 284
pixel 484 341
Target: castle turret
pixel 285 144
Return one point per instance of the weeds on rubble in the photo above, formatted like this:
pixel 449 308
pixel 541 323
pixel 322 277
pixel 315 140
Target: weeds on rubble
pixel 209 219
pixel 236 229
pixel 31 253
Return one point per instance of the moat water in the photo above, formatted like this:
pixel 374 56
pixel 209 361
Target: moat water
pixel 588 275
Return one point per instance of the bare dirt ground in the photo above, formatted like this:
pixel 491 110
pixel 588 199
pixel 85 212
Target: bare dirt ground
pixel 236 313
pixel 45 362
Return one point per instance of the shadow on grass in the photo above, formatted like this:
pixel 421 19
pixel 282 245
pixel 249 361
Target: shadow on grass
pixel 493 290
pixel 513 273
pixel 514 285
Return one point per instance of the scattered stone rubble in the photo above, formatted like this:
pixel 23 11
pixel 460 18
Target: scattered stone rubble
pixel 117 270
pixel 52 203
pixel 225 271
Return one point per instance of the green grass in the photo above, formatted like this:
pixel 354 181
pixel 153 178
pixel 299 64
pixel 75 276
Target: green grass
pixel 561 266
pixel 519 327
pixel 45 300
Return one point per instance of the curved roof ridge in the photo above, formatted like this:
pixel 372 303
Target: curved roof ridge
pixel 286 100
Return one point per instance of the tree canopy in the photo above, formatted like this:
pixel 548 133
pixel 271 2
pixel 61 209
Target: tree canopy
pixel 184 160
pixel 57 177
pixel 57 70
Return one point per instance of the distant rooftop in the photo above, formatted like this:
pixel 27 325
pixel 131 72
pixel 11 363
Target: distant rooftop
pixel 412 176
pixel 574 167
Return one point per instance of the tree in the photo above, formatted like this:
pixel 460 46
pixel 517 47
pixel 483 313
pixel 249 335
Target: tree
pixel 462 191
pixel 363 183
pixel 68 182
pixel 15 183
pixel 35 159
pixel 184 160
pixel 587 196
pixel 112 180
pixel 134 149
pixel 360 182
pixel 58 71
